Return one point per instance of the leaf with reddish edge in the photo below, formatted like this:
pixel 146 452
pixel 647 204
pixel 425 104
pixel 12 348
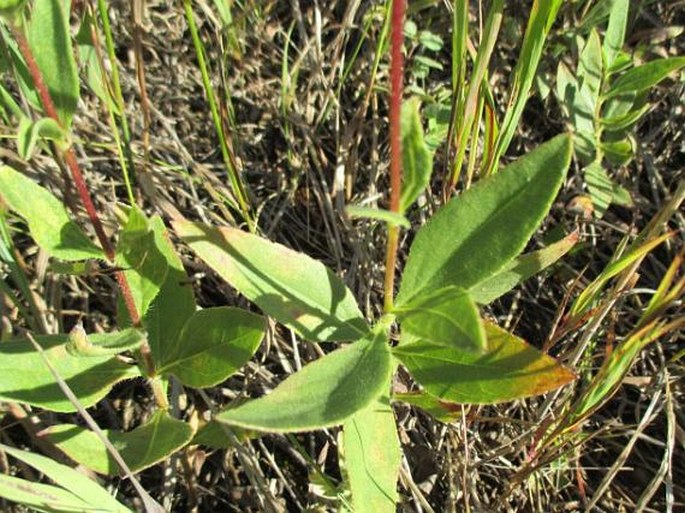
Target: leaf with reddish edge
pixel 510 369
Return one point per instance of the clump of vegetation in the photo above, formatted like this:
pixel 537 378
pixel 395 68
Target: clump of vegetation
pixel 217 324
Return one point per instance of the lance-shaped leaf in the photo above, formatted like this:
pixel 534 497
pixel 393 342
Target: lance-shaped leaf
pixel 75 492
pixel 174 304
pixel 47 218
pixel 30 132
pixel 510 369
pixel 520 269
pixel 214 344
pixel 477 233
pixel 616 31
pixel 26 378
pixel 295 289
pixel 324 393
pixel 141 448
pixel 443 411
pixel 100 344
pixel 144 263
pixel 372 457
pixel 447 316
pixel 417 160
pixel 643 77
pixel 50 39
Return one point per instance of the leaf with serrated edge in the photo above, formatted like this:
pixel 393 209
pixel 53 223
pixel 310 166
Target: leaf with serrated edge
pixel 324 393
pixel 70 480
pixel 214 343
pixel 510 369
pixel 477 233
pixel 447 316
pixel 295 289
pixel 26 378
pixel 141 448
pixel 372 457
pixel 520 269
pixel 47 218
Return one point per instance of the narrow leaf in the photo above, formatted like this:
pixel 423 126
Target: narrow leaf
pixel 447 316
pixel 26 378
pixel 214 344
pixel 40 497
pixel 417 160
pixel 70 480
pixel 295 289
pixel 30 132
pixel 590 66
pixel 324 393
pixel 616 30
pixel 443 411
pixel 510 369
pixel 477 233
pixel 372 457
pixel 47 218
pixel 392 218
pixel 643 77
pixel 50 39
pixel 99 344
pixel 141 448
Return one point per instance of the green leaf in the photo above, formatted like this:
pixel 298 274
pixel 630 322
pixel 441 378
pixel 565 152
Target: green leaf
pixel 174 304
pixel 600 187
pixel 616 30
pixel 477 233
pixel 520 269
pixel 31 132
pixel 372 457
pixel 590 66
pixel 144 263
pixel 619 152
pixel 324 393
pixel 26 378
pixel 295 289
pixel 47 218
pixel 75 492
pixel 510 369
pixel 623 121
pixel 50 39
pixel 392 218
pixel 447 316
pixel 215 434
pixel 141 448
pixel 214 344
pixel 644 77
pixel 438 409
pixel 100 344
pixel 417 160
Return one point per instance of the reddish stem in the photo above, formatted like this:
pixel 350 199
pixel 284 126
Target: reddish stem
pixel 396 78
pixel 77 176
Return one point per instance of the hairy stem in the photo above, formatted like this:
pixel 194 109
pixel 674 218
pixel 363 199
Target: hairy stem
pixel 396 76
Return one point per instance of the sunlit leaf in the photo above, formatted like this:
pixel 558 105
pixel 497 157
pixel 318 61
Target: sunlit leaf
pixel 47 218
pixel 477 233
pixel 616 30
pixel 213 344
pixel 392 218
pixel 510 369
pixel 30 132
pixel 443 411
pixel 417 160
pixel 295 289
pixel 324 393
pixel 643 77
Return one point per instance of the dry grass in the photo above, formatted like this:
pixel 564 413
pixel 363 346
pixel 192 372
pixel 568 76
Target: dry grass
pixel 307 143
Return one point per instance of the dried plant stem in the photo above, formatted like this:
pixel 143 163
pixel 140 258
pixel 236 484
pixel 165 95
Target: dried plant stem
pixel 396 76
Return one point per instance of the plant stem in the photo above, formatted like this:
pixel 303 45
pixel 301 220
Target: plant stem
pixel 396 75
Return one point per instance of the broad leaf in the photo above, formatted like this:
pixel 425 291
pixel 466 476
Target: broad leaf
pixel 216 435
pixel 144 263
pixel 295 289
pixel 417 160
pixel 643 77
pixel 75 492
pixel 214 344
pixel 47 218
pixel 510 369
pixel 50 39
pixel 477 233
pixel 324 393
pixel 602 189
pixel 447 316
pixel 174 304
pixel 520 269
pixel 141 448
pixel 372 457
pixel 26 378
